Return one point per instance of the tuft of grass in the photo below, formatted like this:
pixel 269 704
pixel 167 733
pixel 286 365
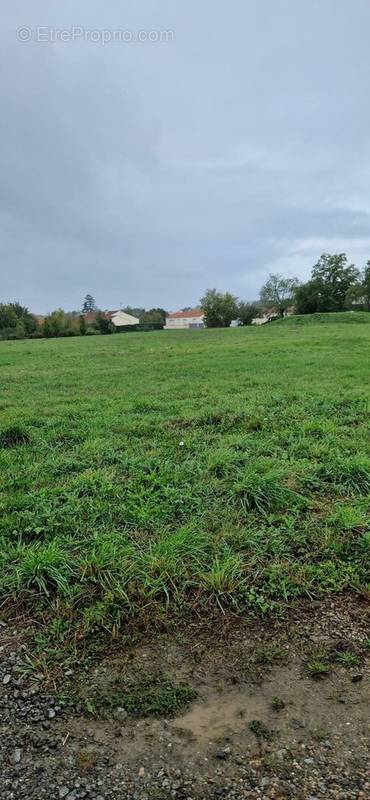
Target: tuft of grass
pixel 13 437
pixel 86 759
pixel 318 667
pixel 277 704
pixel 264 492
pixel 268 655
pixel 45 569
pixel 350 475
pixel 260 730
pixel 320 734
pixel 224 579
pixel 348 659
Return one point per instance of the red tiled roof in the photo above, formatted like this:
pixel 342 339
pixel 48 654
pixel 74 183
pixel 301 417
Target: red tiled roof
pixel 90 316
pixel 194 312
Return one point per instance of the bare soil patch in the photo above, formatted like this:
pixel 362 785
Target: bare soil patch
pixel 260 726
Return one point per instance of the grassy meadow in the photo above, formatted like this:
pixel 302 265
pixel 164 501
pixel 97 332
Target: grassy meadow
pixel 185 472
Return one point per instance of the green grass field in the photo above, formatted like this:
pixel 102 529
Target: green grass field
pixel 179 472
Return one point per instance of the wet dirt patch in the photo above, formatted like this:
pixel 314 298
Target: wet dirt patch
pixel 259 727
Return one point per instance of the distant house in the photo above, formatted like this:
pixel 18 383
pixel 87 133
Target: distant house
pixel 183 320
pixel 272 314
pixel 263 320
pixel 118 318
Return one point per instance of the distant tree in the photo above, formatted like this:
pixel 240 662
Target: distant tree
pixel 135 312
pixel 24 317
pixel 359 293
pixel 8 316
pixel 247 312
pixel 88 304
pixel 82 325
pixel 278 292
pixel 57 324
pixel 334 277
pixel 11 325
pixel 103 324
pixel 219 309
pixel 309 298
pixel 333 286
pixel 155 316
pixel 366 286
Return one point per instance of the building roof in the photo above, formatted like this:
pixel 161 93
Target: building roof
pixel 120 318
pixel 194 312
pixel 91 316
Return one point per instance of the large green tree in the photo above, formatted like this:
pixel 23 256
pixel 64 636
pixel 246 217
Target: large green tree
pixel 247 312
pixel 278 293
pixel 219 309
pixel 16 321
pixel 333 282
pixel 333 277
pixel 155 316
pixel 57 324
pixel 309 298
pixel 8 317
pixel 25 317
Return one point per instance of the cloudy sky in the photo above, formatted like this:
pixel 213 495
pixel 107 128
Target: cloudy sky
pixel 152 149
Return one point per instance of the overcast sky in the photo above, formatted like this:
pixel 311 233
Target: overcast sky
pixel 235 145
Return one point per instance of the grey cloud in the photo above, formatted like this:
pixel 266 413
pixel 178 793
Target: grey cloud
pixel 146 172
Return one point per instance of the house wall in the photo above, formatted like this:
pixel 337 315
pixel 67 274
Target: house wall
pixel 183 323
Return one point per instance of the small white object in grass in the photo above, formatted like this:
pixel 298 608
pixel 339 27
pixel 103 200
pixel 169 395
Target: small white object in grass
pixel 182 444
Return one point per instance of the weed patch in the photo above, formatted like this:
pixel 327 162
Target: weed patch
pixel 318 667
pixel 151 696
pixel 277 704
pixel 260 730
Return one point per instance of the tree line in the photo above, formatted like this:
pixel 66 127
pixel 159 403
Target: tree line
pixel 17 322
pixel 334 285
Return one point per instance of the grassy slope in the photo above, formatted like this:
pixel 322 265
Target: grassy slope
pixel 104 512
pixel 347 317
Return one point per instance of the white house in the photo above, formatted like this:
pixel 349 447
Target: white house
pixel 121 318
pixel 183 320
pixel 118 318
pixel 271 315
pixel 261 320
